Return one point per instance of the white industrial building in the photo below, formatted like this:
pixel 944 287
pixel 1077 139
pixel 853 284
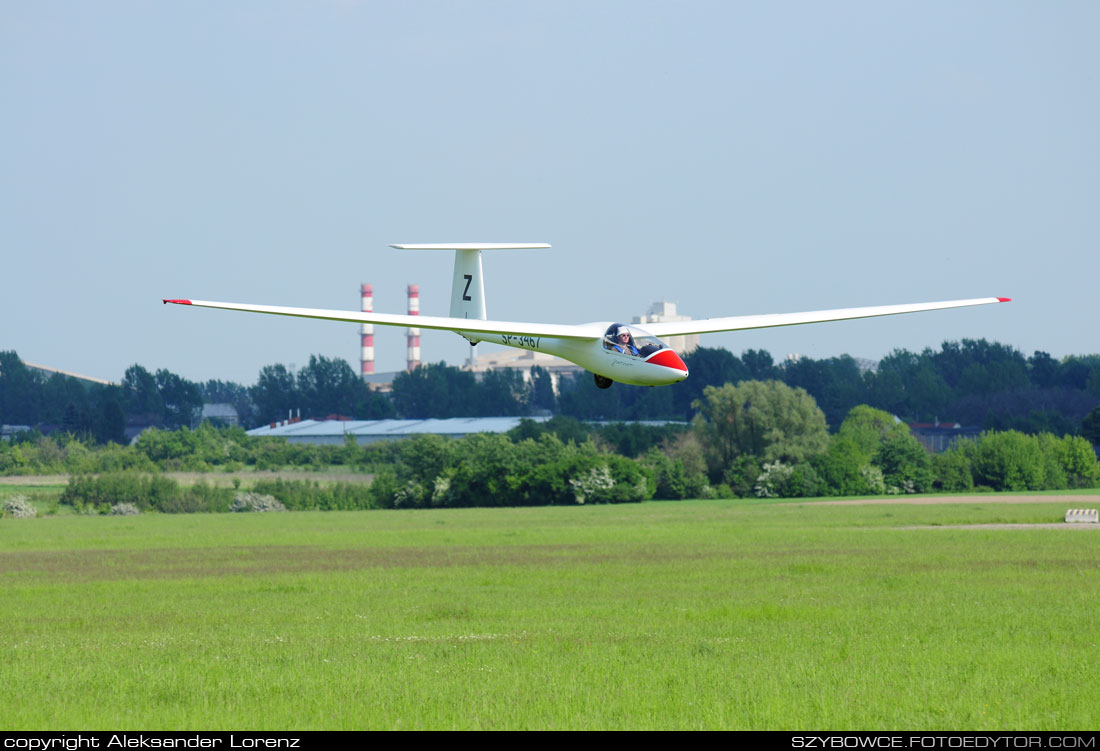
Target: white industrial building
pixel 370 431
pixel 666 311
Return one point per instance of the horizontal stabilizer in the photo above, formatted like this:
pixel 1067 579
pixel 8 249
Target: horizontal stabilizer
pixel 472 246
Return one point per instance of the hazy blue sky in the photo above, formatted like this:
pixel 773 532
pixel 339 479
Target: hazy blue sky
pixel 731 157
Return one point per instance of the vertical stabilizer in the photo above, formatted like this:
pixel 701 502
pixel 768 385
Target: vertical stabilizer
pixel 467 284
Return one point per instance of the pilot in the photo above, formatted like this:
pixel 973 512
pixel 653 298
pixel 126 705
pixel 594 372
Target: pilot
pixel 623 342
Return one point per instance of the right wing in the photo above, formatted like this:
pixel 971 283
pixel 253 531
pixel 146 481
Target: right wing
pixel 739 323
pixel 460 325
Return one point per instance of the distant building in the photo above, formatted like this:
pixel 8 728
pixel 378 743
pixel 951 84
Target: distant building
pixel 57 371
pixel 666 311
pixel 10 431
pixel 939 436
pixel 523 361
pixel 220 414
pixel 371 431
pixel 381 382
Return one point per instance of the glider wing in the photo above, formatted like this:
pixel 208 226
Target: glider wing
pixel 738 323
pixel 460 325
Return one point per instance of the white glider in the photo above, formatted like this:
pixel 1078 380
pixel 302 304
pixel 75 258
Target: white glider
pixel 611 351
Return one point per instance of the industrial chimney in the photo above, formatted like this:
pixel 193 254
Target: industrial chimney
pixel 367 356
pixel 414 334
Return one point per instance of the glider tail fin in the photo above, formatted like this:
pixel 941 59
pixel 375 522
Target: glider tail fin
pixel 467 284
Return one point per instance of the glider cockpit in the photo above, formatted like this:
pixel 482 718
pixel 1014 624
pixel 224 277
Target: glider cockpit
pixel 631 340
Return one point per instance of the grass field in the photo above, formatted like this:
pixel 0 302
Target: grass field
pixel 700 614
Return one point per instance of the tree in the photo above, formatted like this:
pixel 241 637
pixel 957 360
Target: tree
pixel 1090 426
pixel 764 419
pixel 708 367
pixel 1075 373
pixel 868 428
pixel 503 393
pixel 1006 461
pixel 1043 370
pixel 435 390
pixel 977 366
pixel 65 400
pixel 580 398
pixel 842 468
pixel 275 393
pixel 181 398
pixel 759 365
pixel 329 386
pixel 905 464
pixel 835 383
pixel 110 420
pixel 227 392
pixel 141 397
pixel 20 391
pixel 952 471
pixel 1078 461
pixel 542 390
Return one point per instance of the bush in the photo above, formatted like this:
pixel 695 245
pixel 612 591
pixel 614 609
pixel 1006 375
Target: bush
pixel 771 481
pixel 255 502
pixel 492 470
pixel 1078 460
pixel 145 492
pixel 307 495
pixel 952 472
pixel 741 476
pixel 20 507
pixel 668 474
pixel 1006 461
pixel 906 465
pixel 804 482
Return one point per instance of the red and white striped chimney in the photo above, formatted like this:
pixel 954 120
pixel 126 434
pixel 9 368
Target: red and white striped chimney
pixel 414 334
pixel 367 356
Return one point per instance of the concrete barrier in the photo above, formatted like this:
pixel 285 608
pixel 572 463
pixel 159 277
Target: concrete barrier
pixel 1078 515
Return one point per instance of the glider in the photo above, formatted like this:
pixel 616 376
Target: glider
pixel 610 351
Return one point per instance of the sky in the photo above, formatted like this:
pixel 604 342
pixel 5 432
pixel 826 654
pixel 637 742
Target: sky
pixel 731 157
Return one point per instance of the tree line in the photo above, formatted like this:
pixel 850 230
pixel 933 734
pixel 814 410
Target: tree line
pixel 759 439
pixel 975 382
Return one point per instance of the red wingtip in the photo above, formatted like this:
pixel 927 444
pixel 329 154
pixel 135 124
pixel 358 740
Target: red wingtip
pixel 177 302
pixel 1004 299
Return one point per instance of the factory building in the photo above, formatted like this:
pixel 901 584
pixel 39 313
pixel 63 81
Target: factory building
pixel 523 361
pixel 666 311
pixel 372 431
pixel 58 371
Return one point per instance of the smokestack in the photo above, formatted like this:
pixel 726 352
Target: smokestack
pixel 414 334
pixel 366 359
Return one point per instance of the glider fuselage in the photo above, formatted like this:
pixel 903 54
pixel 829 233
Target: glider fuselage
pixel 660 367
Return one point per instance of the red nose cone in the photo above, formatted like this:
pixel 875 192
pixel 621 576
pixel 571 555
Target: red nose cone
pixel 668 359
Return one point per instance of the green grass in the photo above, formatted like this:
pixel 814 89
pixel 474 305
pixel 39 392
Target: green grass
pixel 46 498
pixel 700 614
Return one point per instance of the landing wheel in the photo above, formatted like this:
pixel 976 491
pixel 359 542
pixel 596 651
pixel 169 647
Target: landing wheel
pixel 602 382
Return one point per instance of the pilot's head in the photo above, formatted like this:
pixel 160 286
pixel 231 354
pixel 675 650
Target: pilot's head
pixel 623 335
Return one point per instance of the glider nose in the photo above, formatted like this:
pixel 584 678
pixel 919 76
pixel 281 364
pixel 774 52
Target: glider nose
pixel 668 359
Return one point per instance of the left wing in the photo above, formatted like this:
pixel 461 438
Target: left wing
pixel 460 325
pixel 738 323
